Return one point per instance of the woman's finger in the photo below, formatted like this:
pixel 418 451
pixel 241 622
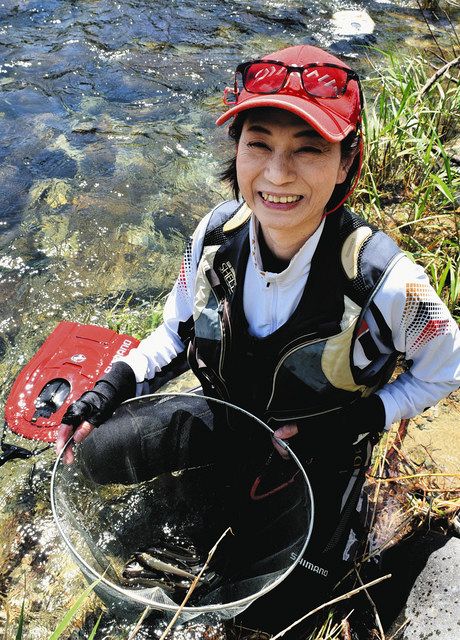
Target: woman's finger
pixel 286 431
pixel 283 453
pixel 82 432
pixel 63 434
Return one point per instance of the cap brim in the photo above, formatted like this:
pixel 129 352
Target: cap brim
pixel 331 125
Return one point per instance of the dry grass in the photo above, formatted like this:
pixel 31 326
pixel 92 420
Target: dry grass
pixel 407 495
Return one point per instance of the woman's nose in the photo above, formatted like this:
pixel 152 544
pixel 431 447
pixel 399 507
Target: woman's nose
pixel 279 169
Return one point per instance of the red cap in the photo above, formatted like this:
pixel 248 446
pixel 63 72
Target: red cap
pixel 333 118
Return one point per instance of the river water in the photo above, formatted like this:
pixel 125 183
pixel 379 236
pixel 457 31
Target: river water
pixel 108 158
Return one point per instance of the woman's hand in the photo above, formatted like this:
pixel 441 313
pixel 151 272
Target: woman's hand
pixel 284 433
pixel 65 432
pixel 92 405
pixel 96 406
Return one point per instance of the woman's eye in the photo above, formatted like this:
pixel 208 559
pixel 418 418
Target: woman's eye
pixel 258 145
pixel 309 149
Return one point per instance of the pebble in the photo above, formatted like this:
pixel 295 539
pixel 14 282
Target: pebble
pixel 352 23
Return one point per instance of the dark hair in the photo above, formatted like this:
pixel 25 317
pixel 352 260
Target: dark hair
pixel 348 147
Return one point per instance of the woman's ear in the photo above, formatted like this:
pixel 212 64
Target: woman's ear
pixel 345 165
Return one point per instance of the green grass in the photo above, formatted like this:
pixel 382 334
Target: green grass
pixel 65 621
pixel 74 609
pixel 20 629
pixel 410 183
pixel 136 320
pixel 330 630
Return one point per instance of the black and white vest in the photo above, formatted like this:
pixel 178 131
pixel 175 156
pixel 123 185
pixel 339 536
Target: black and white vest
pixel 305 367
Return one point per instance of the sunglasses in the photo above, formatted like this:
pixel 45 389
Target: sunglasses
pixel 319 80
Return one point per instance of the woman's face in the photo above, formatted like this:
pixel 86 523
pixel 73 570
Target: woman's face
pixel 286 172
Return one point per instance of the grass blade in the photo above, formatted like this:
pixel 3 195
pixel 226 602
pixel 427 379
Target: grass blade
pixel 95 628
pixel 21 622
pixel 442 279
pixel 64 623
pixel 443 188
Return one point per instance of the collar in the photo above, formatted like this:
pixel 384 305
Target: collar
pixel 298 267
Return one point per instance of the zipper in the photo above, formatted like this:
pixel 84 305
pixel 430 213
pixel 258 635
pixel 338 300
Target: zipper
pixel 297 342
pixel 274 291
pixel 226 334
pixel 345 518
pixel 290 352
pixel 220 312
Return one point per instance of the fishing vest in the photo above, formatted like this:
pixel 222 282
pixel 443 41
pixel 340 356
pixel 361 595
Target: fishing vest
pixel 305 367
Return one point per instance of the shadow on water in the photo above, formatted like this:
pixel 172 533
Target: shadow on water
pixel 108 158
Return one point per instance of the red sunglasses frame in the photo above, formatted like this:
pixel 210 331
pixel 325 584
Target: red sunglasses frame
pixel 244 66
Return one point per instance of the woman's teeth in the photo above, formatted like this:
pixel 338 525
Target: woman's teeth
pixel 280 199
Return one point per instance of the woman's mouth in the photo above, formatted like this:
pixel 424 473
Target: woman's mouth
pixel 278 199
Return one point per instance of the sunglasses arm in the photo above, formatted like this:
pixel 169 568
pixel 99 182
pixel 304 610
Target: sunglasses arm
pixel 231 96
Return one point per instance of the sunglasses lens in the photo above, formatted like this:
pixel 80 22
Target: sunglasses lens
pixel 324 81
pixel 260 77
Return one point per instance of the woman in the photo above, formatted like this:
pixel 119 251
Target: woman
pixel 294 308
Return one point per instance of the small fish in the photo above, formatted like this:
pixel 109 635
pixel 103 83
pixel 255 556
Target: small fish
pixel 155 564
pixel 136 570
pixel 183 556
pixel 135 574
pixel 144 570
pixel 209 578
pixel 192 565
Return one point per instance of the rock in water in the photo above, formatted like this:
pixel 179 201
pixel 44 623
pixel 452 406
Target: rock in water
pixel 352 23
pixel 433 606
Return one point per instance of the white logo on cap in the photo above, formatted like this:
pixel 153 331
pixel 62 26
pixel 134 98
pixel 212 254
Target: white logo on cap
pixel 78 357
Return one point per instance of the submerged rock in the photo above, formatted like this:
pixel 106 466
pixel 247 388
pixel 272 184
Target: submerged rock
pixel 14 184
pixel 54 192
pixel 136 236
pixel 54 164
pixel 55 237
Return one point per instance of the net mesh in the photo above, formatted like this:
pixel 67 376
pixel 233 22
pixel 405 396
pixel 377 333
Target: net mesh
pixel 165 511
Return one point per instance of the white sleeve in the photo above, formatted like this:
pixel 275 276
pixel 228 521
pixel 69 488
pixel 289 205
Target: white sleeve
pixel 424 331
pixel 165 343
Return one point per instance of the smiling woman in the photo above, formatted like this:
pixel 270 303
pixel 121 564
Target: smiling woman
pixel 295 309
pixel 350 152
pixel 287 173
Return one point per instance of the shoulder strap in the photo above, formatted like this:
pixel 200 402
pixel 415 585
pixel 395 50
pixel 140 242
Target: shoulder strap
pixel 366 255
pixel 226 219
